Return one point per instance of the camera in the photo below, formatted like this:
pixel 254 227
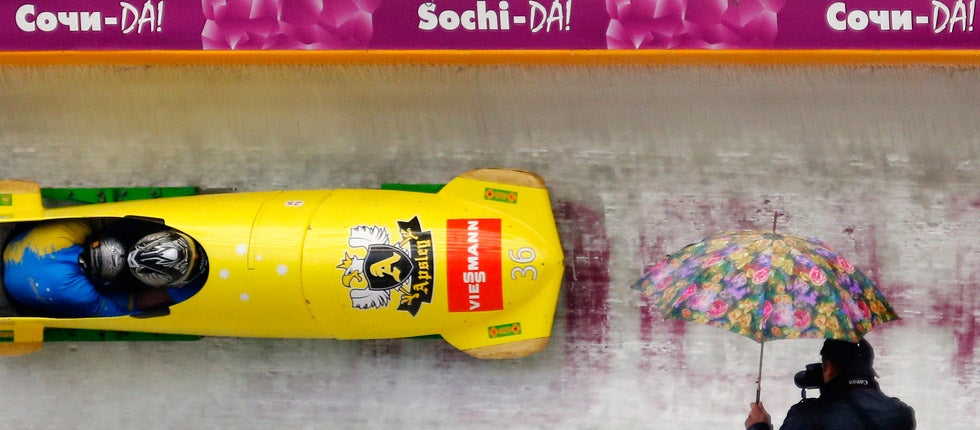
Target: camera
pixel 810 378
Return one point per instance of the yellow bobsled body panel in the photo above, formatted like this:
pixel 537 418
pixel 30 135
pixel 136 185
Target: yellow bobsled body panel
pixel 19 198
pixel 478 263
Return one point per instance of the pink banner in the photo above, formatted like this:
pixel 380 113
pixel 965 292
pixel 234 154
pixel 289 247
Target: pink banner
pixel 486 24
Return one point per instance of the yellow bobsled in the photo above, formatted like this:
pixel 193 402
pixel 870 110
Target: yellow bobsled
pixel 478 263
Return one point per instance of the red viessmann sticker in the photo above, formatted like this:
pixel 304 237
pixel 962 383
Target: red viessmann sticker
pixel 473 265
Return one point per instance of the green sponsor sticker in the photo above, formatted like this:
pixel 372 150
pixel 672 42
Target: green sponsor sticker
pixel 504 330
pixel 6 200
pixel 6 336
pixel 498 195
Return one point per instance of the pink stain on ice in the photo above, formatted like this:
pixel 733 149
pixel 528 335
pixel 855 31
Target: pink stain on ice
pixel 586 289
pixel 586 282
pixel 657 350
pixel 957 308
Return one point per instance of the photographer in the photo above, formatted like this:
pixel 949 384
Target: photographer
pixel 849 395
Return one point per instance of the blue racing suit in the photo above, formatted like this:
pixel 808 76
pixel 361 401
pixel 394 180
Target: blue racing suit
pixel 41 272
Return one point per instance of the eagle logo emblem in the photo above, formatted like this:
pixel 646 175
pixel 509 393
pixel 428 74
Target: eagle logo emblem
pixel 375 269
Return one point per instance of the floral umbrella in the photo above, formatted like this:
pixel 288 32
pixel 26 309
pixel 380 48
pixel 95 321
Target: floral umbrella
pixel 766 286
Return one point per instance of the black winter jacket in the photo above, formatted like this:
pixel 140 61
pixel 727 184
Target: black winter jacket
pixel 849 403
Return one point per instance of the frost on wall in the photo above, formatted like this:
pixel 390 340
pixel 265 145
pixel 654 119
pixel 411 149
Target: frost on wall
pixel 691 24
pixel 288 24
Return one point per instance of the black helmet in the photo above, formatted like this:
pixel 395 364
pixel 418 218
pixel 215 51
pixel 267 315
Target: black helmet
pixel 103 259
pixel 166 259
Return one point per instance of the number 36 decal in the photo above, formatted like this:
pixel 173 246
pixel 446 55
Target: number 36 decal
pixel 523 257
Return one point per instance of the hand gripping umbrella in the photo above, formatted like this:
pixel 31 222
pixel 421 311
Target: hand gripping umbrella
pixel 767 286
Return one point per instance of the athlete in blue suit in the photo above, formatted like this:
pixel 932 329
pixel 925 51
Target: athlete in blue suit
pixel 45 272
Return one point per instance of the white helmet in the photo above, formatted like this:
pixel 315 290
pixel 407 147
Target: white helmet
pixel 166 259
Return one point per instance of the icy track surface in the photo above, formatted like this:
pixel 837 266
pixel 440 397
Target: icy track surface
pixel 882 163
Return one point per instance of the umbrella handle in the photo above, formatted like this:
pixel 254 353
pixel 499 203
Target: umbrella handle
pixel 758 382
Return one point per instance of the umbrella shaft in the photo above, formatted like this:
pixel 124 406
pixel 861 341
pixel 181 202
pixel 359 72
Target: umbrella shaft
pixel 758 382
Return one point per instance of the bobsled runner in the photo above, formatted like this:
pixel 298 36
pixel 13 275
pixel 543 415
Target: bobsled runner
pixel 478 263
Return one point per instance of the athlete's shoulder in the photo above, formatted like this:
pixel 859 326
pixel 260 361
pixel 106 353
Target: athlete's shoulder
pixel 58 235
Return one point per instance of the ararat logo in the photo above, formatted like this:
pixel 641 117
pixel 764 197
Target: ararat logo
pixel 381 268
pixel 473 265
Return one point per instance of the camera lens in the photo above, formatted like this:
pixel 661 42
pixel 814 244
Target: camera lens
pixel 812 377
pixel 800 379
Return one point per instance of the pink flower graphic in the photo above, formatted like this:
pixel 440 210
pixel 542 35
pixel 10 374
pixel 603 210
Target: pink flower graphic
pixel 761 276
pixel 865 309
pixel 711 261
pixel 718 309
pixel 801 319
pixel 817 277
pixel 688 292
pixel 692 24
pixel 294 24
pixel 766 311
